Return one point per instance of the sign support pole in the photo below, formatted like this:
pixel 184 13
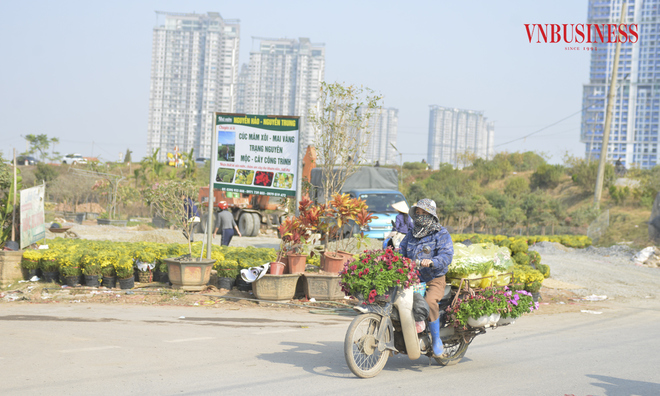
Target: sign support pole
pixel 214 158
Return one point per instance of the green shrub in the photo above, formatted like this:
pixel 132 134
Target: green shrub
pixel 546 176
pixel 519 246
pixel 534 258
pixel 544 269
pixel 521 258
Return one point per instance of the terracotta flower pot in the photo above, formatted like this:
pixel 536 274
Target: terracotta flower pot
pixel 193 274
pixel 333 262
pixel 297 263
pixel 276 268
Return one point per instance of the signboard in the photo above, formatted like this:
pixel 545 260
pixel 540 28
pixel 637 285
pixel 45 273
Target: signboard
pixel 32 215
pixel 256 154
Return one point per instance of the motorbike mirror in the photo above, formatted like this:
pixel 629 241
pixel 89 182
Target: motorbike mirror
pixel 426 250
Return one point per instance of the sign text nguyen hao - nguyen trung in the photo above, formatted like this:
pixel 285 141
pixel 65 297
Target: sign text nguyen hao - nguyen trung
pixel 587 33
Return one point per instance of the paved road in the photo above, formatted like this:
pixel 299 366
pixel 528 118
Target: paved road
pixel 79 349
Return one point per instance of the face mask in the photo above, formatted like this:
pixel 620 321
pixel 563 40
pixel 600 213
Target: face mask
pixel 423 220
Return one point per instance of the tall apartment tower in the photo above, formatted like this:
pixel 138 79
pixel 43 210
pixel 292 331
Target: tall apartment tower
pixel 284 78
pixel 194 72
pixel 383 127
pixel 635 117
pixel 455 132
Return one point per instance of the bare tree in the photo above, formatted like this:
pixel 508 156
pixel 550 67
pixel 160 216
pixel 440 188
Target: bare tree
pixel 341 126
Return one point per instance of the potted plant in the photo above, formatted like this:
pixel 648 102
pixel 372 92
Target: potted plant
pixel 91 268
pixel 294 233
pixel 374 273
pixel 70 269
pixel 49 265
pixel 227 273
pixel 124 271
pixel 171 201
pixel 30 262
pixel 337 220
pixel 108 273
pixel 145 261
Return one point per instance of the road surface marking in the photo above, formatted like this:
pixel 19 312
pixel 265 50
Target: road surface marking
pixel 191 339
pixel 89 349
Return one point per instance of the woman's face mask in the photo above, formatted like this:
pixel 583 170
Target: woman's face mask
pixel 422 220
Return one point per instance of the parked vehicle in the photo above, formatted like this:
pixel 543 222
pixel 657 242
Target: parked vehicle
pixel 73 159
pixel 249 211
pixel 26 160
pixel 380 205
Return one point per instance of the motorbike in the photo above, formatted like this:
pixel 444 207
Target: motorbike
pixel 388 327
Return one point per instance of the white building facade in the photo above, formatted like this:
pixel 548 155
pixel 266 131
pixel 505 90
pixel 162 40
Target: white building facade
pixel 284 78
pixel 453 133
pixel 381 139
pixel 194 73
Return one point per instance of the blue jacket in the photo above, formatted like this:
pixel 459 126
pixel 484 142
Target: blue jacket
pixel 442 252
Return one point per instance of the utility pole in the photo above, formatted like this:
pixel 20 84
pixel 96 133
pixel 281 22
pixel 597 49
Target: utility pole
pixel 400 164
pixel 608 117
pixel 13 208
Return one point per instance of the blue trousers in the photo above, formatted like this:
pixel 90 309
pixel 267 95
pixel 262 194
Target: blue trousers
pixel 227 234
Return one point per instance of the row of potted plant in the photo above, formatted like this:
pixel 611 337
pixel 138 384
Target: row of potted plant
pixel 73 258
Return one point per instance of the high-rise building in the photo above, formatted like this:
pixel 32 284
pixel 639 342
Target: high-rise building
pixel 284 78
pixel 453 133
pixel 194 71
pixel 635 117
pixel 382 127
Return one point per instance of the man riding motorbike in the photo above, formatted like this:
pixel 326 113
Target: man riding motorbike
pixel 427 231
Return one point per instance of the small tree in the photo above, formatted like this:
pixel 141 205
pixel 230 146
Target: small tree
pixel 341 125
pixel 40 143
pixel 127 156
pixel 167 199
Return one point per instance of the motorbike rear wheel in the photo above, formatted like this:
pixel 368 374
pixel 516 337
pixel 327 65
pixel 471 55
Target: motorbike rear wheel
pixel 454 350
pixel 361 347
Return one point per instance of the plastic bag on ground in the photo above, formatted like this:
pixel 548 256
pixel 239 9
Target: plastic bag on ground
pixel 643 255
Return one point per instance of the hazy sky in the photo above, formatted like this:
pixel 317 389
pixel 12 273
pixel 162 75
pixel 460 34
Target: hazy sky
pixel 79 70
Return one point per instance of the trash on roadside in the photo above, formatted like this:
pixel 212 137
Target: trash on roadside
pixel 35 279
pixel 591 298
pixel 647 257
pixel 591 312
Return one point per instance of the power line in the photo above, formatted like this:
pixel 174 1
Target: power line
pixel 544 128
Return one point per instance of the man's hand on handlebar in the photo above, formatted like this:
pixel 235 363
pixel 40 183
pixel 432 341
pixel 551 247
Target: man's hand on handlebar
pixel 426 263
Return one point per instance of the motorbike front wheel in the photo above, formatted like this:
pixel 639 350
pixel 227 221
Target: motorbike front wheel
pixel 454 350
pixel 361 347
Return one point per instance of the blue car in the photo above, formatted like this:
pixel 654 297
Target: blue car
pixel 380 205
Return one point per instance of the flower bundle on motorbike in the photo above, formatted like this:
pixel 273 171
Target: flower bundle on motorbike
pixel 482 264
pixel 375 272
pixel 510 304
